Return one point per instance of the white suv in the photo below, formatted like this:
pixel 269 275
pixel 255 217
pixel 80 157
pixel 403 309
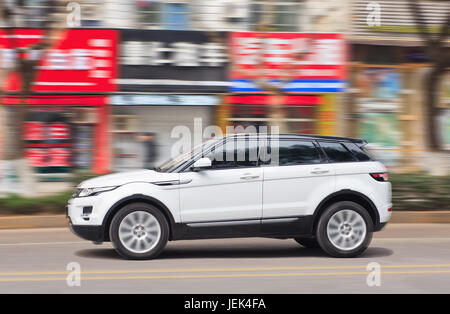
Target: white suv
pixel 321 191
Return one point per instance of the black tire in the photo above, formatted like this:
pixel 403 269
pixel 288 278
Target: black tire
pixel 322 234
pixel 137 207
pixel 309 243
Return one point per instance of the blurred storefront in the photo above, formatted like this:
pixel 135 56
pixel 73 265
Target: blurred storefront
pixel 385 107
pixel 66 126
pixel 167 79
pixel 444 117
pixel 307 70
pixel 385 102
pixel 379 109
pixel 135 116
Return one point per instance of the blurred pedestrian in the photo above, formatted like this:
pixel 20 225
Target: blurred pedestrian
pixel 150 149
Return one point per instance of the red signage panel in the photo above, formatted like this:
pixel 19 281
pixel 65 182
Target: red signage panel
pixel 302 62
pixel 80 60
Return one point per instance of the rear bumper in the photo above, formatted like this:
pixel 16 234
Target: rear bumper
pixel 87 232
pixel 385 216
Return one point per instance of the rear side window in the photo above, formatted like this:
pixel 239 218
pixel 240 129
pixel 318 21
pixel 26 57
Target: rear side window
pixel 336 152
pixel 292 152
pixel 360 154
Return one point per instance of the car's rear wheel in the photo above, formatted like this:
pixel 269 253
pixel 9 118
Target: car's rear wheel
pixel 139 231
pixel 309 243
pixel 344 229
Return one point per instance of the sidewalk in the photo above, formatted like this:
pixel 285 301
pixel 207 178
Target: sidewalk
pixel 58 221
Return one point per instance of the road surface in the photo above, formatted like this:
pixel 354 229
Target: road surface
pixel 414 258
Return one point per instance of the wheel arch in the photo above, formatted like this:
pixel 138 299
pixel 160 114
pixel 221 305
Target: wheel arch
pixel 348 195
pixel 137 198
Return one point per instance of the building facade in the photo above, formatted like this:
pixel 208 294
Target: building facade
pixel 292 80
pixel 387 73
pixel 66 125
pixel 168 79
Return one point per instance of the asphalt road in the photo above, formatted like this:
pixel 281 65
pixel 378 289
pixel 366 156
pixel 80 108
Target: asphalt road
pixel 414 258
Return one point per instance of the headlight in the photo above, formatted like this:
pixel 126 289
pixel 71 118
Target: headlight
pixel 92 191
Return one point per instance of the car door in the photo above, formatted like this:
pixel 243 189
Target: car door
pixel 229 191
pixel 296 180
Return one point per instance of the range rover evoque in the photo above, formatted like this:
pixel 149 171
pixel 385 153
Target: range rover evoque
pixel 321 191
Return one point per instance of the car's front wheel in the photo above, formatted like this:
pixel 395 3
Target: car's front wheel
pixel 139 231
pixel 344 229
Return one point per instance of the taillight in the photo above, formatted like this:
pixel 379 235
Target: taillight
pixel 382 176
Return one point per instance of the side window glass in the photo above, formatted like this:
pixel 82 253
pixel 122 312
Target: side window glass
pixel 247 153
pixel 294 152
pixel 220 157
pixel 236 153
pixel 357 151
pixel 336 152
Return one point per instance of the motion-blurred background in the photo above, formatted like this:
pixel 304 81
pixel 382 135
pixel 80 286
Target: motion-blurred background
pixel 96 86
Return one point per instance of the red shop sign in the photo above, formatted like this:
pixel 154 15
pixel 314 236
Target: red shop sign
pixel 82 60
pixel 52 157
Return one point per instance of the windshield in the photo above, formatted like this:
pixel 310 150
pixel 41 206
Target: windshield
pixel 173 163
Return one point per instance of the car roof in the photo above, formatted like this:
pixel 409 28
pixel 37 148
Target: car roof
pixel 358 141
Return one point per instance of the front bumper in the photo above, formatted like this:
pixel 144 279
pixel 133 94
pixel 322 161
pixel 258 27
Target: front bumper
pixel 88 232
pixel 75 210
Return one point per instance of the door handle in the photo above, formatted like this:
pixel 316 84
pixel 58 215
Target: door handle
pixel 318 171
pixel 248 176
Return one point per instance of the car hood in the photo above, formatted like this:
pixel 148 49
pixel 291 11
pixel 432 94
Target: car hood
pixel 121 178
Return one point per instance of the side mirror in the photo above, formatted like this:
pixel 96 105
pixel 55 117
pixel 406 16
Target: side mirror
pixel 202 163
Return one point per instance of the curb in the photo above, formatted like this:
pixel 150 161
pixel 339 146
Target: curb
pixel 58 221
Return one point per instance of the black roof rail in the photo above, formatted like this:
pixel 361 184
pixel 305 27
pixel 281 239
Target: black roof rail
pixel 357 141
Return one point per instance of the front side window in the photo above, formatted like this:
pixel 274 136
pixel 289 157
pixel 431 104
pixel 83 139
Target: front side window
pixel 294 152
pixel 235 153
pixel 174 163
pixel 336 152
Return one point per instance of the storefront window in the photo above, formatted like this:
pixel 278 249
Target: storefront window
pixel 249 111
pixel 302 127
pixel 379 105
pixel 48 140
pixel 83 146
pixel 444 128
pixel 300 111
